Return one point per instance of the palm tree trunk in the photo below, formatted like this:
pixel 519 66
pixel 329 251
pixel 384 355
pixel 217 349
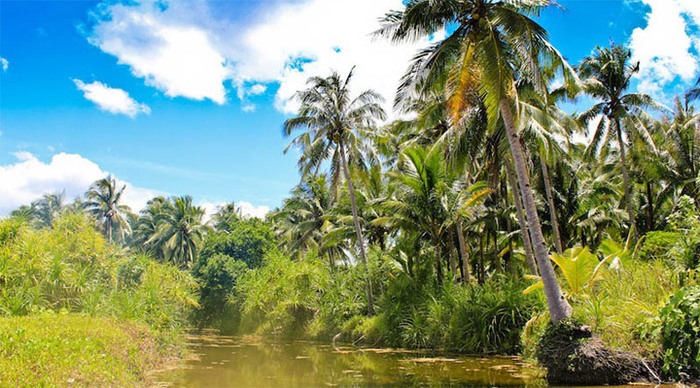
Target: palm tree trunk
pixel 451 258
pixel 650 207
pixel 625 179
pixel 463 252
pixel 559 308
pixel 480 270
pixel 550 201
pixel 438 262
pixel 358 230
pixel 109 230
pixel 524 232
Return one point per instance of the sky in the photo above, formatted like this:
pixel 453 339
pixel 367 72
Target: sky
pixel 188 97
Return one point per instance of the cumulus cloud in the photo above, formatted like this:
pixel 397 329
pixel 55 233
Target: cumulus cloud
pixel 4 63
pixel 164 46
pixel 191 51
pixel 247 209
pixel 112 100
pixel 29 178
pixel 667 48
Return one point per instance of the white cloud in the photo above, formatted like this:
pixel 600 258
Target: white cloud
pixel 171 54
pixel 29 178
pixel 296 41
pixel 247 209
pixel 188 50
pixel 250 210
pixel 667 48
pixel 4 63
pixel 112 100
pixel 248 108
pixel 257 89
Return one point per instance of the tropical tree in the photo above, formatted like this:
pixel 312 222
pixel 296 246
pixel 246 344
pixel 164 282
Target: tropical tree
pixel 103 202
pixel 330 121
pixel 46 209
pixel 303 221
pixel 490 45
pixel 608 74
pixel 226 216
pixel 179 231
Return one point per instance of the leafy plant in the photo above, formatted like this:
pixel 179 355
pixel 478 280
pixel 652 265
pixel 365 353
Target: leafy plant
pixel 680 333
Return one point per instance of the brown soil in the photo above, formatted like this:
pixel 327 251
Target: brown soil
pixel 573 357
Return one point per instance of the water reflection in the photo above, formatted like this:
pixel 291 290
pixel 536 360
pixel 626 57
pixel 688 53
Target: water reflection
pixel 222 361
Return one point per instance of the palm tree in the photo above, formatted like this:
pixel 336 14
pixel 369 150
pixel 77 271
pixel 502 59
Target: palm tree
pixel 331 120
pixel 694 93
pixel 145 226
pixel 179 231
pixel 543 121
pixel 47 208
pixel 608 74
pixel 303 221
pixel 103 202
pixel 491 44
pixel 226 216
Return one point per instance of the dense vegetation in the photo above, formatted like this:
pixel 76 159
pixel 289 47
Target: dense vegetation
pixel 476 222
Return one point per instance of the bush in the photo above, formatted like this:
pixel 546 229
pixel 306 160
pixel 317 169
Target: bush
pixel 680 333
pixel 472 319
pixel 217 277
pixel 658 245
pixel 246 240
pixel 70 267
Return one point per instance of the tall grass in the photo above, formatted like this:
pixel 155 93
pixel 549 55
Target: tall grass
pixel 306 298
pixel 70 267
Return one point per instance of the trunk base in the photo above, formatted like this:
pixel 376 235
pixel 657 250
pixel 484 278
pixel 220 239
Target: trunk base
pixel 573 356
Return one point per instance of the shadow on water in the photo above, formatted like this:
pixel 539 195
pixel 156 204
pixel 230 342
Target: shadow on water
pixel 224 361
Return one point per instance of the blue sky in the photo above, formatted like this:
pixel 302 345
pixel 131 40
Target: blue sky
pixel 189 97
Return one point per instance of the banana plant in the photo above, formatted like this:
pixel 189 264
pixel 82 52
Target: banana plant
pixel 581 269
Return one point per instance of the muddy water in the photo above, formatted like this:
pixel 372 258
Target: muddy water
pixel 221 361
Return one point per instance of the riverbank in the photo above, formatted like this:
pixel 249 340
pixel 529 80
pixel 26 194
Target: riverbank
pixel 77 350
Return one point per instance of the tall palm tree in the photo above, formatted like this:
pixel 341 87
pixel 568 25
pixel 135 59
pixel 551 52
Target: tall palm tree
pixel 102 201
pixel 608 74
pixel 179 231
pixel 542 121
pixel 330 120
pixel 490 45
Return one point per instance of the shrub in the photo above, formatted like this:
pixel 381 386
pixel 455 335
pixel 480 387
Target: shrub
pixel 680 333
pixel 658 245
pixel 71 267
pixel 217 277
pixel 246 240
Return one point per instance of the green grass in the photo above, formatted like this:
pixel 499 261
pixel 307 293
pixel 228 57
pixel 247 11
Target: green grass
pixel 75 350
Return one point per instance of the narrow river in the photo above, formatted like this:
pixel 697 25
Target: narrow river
pixel 223 361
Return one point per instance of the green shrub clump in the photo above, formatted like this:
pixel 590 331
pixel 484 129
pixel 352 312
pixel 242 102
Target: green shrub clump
pixel 680 334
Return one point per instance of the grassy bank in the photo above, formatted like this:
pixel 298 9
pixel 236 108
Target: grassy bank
pixel 75 350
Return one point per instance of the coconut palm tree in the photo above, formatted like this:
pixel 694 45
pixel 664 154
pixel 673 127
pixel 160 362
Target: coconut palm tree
pixel 179 231
pixel 608 74
pixel 490 45
pixel 46 209
pixel 303 222
pixel 103 202
pixel 330 121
